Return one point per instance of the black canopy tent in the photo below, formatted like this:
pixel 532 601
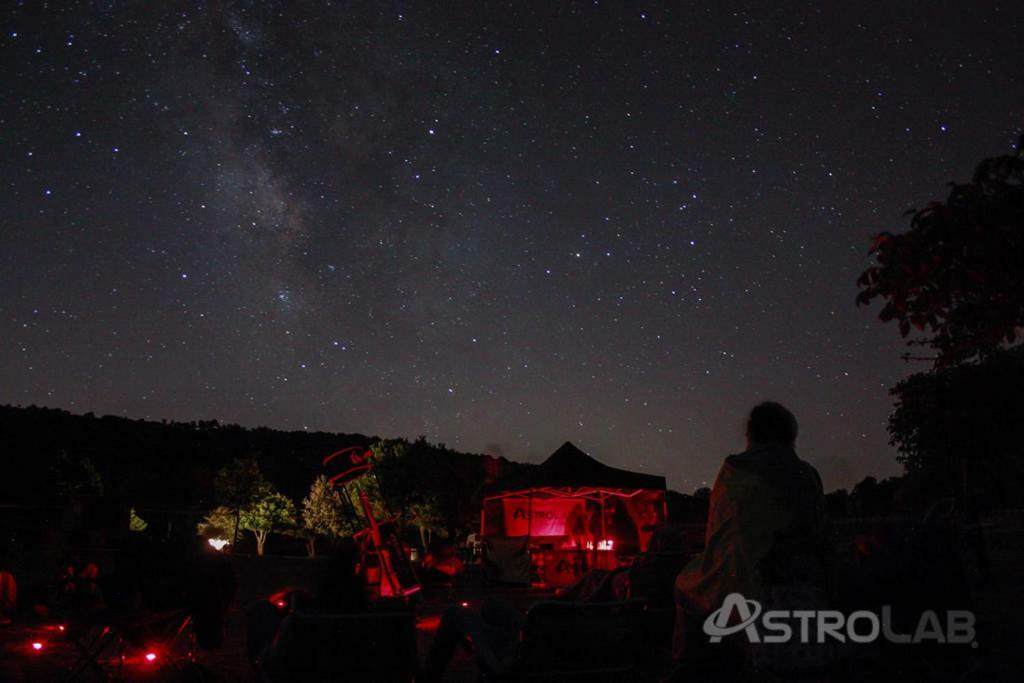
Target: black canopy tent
pixel 549 504
pixel 569 467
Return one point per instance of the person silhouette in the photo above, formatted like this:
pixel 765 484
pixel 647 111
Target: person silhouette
pixel 766 521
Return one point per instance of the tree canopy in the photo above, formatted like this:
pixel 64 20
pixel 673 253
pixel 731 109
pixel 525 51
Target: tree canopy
pixel 269 512
pixel 238 485
pixel 136 523
pixel 960 429
pixel 240 482
pixel 956 274
pixel 218 523
pixel 404 485
pixel 322 514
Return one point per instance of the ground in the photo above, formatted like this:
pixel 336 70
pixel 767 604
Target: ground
pixel 258 578
pixel 998 602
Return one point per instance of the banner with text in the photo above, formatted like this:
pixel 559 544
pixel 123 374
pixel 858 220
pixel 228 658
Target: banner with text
pixel 539 517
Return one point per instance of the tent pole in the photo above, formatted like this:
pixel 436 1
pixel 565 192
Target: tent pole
pixel 529 535
pixel 529 516
pixel 480 540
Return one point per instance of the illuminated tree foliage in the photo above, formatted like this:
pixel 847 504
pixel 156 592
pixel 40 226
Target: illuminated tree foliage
pixel 403 485
pixel 406 472
pixel 956 275
pixel 219 523
pixel 136 523
pixel 322 514
pixel 268 513
pixel 238 485
pixel 425 515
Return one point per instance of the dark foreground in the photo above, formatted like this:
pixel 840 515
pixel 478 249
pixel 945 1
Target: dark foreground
pixel 996 655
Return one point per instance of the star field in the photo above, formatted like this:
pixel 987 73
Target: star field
pixel 501 226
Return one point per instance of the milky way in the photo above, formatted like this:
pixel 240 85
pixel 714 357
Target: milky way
pixel 500 226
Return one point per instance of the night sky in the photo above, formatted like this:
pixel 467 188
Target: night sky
pixel 500 226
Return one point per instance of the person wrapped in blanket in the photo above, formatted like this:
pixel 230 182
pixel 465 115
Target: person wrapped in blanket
pixel 766 525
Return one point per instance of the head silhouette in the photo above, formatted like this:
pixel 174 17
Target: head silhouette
pixel 771 424
pixel 341 589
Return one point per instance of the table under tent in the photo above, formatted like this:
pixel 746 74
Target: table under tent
pixel 549 524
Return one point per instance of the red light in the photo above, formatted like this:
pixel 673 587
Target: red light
pixel 464 603
pixel 428 623
pixel 150 656
pixel 37 646
pixel 61 628
pixel 280 603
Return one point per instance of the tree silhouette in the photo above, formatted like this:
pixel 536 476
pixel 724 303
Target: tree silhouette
pixel 77 476
pixel 176 472
pixel 239 485
pixel 960 429
pixel 956 275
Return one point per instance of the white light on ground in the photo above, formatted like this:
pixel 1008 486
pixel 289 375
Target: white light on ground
pixel 218 543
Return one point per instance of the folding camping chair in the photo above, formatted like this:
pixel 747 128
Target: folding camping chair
pixel 506 560
pixel 652 579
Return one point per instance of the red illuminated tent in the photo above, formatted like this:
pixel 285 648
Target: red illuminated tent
pixel 559 509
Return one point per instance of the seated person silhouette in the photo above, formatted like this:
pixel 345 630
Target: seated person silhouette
pixel 766 525
pixel 339 590
pixel 492 629
pixel 8 595
pixel 619 528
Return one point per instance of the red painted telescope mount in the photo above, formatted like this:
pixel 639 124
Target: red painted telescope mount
pixel 397 577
